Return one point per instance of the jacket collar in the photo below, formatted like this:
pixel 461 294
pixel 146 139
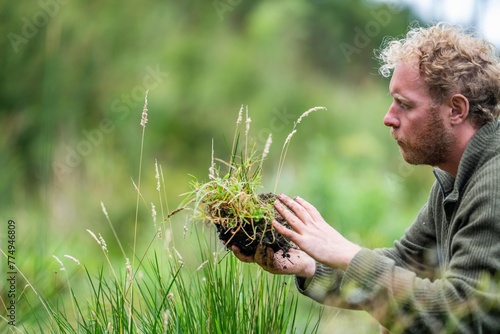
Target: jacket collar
pixel 474 156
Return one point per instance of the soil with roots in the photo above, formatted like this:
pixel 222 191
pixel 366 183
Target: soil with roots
pixel 248 236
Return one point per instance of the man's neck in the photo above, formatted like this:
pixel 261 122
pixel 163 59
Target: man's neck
pixel 463 137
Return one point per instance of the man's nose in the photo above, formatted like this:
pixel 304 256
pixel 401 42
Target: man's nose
pixel 390 118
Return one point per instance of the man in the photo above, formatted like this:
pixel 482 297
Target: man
pixel 443 275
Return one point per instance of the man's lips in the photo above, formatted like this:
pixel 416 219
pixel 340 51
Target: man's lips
pixel 396 138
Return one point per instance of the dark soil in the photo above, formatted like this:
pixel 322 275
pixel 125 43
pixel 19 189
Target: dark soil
pixel 263 234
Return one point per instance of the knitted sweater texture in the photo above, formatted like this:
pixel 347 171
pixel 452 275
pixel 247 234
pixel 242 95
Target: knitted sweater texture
pixel 443 275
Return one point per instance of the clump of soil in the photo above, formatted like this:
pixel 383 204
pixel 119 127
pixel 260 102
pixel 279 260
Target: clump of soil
pixel 248 233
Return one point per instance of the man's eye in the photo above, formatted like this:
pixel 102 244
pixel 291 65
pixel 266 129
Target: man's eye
pixel 402 105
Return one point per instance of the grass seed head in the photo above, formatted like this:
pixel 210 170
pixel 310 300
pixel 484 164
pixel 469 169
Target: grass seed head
pixel 153 212
pixel 128 267
pixel 72 259
pixel 144 116
pixel 94 236
pixel 307 112
pixel 267 146
pixel 157 176
pixel 289 137
pixel 104 210
pixel 240 116
pixel 60 263
pixel 103 243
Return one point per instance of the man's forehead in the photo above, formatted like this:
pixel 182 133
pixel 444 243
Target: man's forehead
pixel 408 70
pixel 406 76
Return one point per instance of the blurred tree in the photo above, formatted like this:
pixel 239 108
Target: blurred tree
pixel 73 78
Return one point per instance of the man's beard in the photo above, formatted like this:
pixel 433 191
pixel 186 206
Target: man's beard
pixel 432 146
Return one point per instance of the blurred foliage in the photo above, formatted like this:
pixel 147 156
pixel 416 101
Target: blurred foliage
pixel 73 79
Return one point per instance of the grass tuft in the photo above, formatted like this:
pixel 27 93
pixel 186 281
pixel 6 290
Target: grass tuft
pixel 231 201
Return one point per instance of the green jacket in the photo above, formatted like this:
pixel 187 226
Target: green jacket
pixel 443 275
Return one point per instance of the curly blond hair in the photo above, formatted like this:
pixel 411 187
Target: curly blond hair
pixel 451 60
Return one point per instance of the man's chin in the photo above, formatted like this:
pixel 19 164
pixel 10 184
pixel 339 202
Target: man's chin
pixel 407 157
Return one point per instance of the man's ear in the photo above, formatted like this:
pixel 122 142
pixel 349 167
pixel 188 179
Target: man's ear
pixel 459 109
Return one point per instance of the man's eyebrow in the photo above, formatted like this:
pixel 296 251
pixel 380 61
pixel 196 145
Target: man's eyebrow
pixel 400 97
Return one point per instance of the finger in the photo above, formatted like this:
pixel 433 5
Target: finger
pixel 295 207
pixel 240 256
pixel 295 222
pixel 309 208
pixel 264 256
pixel 286 232
pixel 284 211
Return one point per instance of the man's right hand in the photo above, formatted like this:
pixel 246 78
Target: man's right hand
pixel 294 262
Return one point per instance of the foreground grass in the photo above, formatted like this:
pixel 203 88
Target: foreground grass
pixel 154 291
pixel 222 295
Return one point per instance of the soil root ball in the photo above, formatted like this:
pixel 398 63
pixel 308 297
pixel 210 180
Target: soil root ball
pixel 247 235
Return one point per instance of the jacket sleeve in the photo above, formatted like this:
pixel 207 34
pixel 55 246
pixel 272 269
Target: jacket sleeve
pixel 325 286
pixel 400 288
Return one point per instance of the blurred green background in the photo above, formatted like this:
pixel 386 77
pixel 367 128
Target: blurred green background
pixel 73 78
